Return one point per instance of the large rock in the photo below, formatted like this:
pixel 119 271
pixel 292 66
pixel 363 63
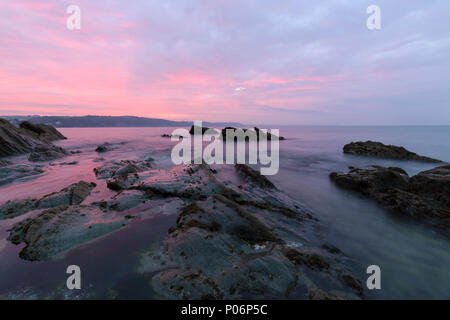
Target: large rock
pixel 72 195
pixel 378 149
pixel 425 196
pixel 237 236
pixel 45 152
pixel 15 140
pixel 15 173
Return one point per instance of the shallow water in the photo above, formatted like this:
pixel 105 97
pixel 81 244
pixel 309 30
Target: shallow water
pixel 414 259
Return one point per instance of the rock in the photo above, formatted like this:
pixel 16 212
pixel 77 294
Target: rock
pixel 103 148
pixel 233 239
pixel 371 179
pixel 269 135
pixel 72 195
pixel 377 149
pixel 19 173
pixel 42 132
pixel 317 294
pixel 122 174
pixel 72 163
pixel 15 140
pixel 59 229
pixel 425 196
pixel 4 163
pixel 259 133
pixel 47 153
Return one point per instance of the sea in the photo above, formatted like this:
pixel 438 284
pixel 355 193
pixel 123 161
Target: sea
pixel 414 258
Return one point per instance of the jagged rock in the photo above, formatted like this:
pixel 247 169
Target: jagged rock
pixel 42 132
pixel 122 174
pixel 47 153
pixel 425 196
pixel 378 149
pixel 58 229
pixel 201 129
pixel 103 148
pixel 317 294
pixel 4 163
pixel 72 195
pixel 15 140
pixel 254 176
pixel 259 133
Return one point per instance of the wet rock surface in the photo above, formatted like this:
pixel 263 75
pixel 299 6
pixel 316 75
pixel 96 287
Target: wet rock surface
pixel 44 153
pixel 122 174
pixel 259 133
pixel 378 149
pixel 58 229
pixel 72 195
pixel 41 131
pixel 236 235
pixel 425 196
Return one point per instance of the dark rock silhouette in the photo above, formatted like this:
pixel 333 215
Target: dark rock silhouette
pixel 378 149
pixel 425 196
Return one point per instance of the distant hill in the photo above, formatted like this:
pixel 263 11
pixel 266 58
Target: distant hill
pixel 108 121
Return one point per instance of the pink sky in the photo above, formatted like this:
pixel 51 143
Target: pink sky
pixel 251 61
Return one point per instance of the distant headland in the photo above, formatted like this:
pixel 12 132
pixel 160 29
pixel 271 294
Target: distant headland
pixel 107 121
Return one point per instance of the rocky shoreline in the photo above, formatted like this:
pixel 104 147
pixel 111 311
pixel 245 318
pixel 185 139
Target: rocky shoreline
pixel 237 236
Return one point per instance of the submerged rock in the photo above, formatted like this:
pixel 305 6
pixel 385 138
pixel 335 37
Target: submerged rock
pixel 122 174
pixel 259 133
pixel 425 196
pixel 200 129
pixel 103 148
pixel 378 149
pixel 41 131
pixel 72 195
pixel 47 153
pixel 4 163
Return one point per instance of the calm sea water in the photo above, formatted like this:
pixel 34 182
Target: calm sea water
pixel 414 259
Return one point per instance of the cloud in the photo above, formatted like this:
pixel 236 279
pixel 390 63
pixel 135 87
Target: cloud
pixel 256 61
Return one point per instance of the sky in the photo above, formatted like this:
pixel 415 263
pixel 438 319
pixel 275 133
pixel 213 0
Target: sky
pixel 249 61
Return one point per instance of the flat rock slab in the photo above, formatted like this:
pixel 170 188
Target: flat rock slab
pixel 72 195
